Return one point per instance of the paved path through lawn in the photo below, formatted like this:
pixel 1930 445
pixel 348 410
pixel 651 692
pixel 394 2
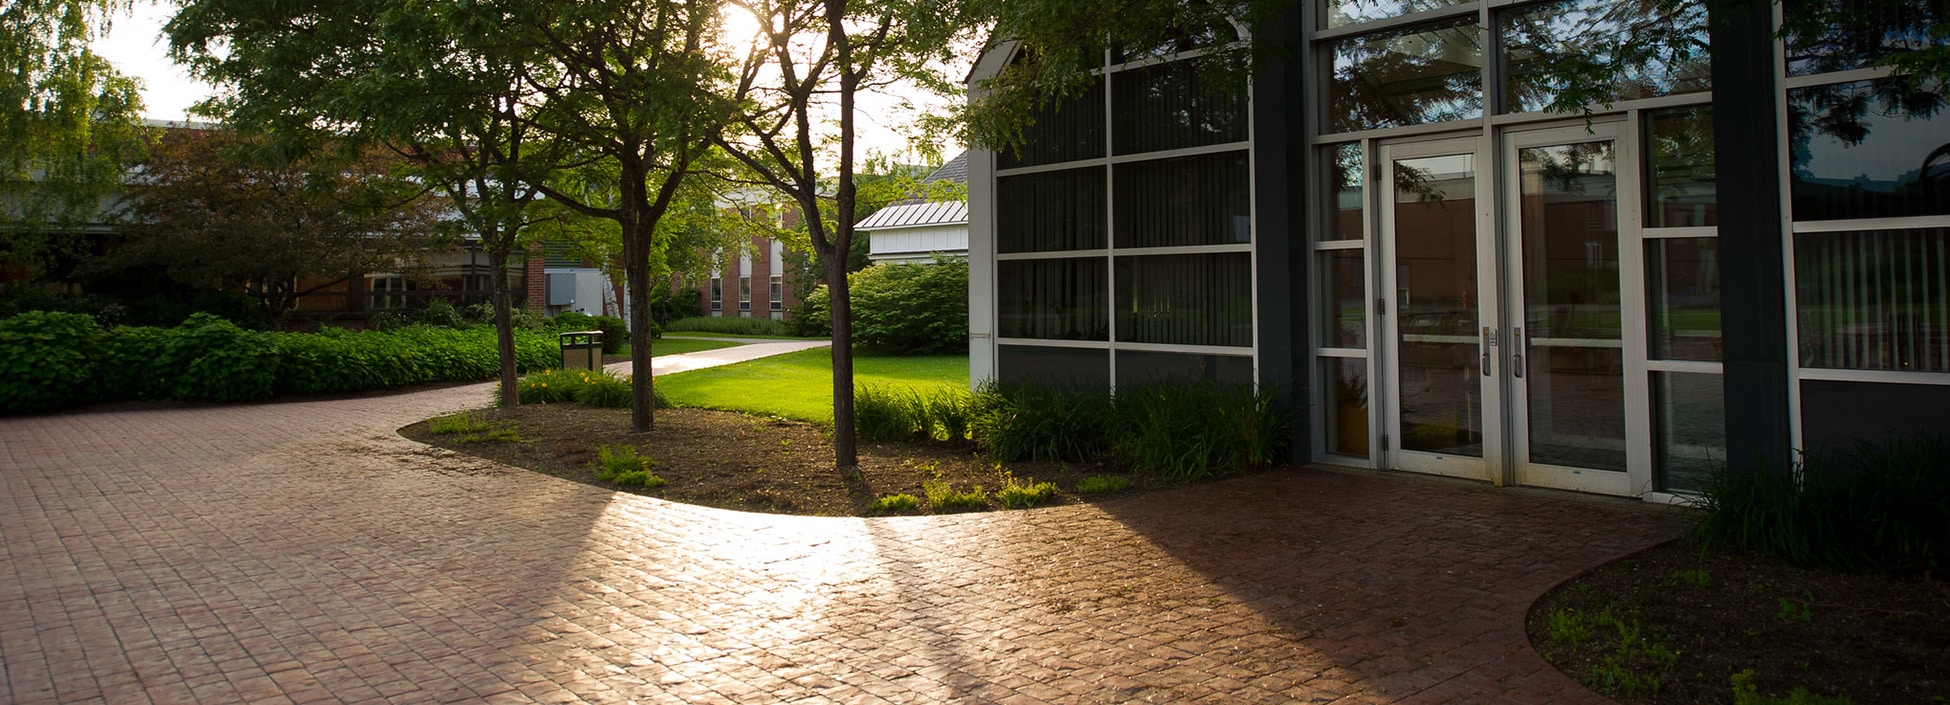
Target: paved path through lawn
pixel 304 552
pixel 747 349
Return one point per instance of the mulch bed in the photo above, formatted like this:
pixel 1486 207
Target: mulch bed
pixel 1875 639
pixel 738 461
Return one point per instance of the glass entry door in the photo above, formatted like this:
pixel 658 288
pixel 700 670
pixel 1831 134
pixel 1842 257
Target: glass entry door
pixel 1507 307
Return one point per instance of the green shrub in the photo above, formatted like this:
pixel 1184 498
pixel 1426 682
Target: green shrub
pixel 895 503
pixel 1103 484
pixel 215 359
pixel 46 360
pixel 1879 507
pixel 947 499
pixel 911 309
pixel 1023 494
pixel 1032 422
pixel 1187 430
pixel 736 325
pixel 883 413
pixel 1745 692
pixel 622 466
pixel 441 313
pixel 812 317
pixel 669 304
pixel 387 321
pixel 549 387
pixel 604 390
pixel 466 427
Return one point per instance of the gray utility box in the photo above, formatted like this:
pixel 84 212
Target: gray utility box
pixel 582 350
pixel 561 289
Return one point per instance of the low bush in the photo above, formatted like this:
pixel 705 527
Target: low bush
pixel 467 427
pixel 911 309
pixel 622 466
pixel 735 325
pixel 895 503
pixel 905 413
pixel 945 498
pixel 1023 494
pixel 1103 484
pixel 1032 422
pixel 1186 431
pixel 54 360
pixel 604 390
pixel 548 387
pixel 1878 508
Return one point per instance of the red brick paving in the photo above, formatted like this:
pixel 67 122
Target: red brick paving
pixel 305 553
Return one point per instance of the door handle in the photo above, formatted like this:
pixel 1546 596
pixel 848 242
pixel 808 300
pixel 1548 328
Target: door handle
pixel 1483 346
pixel 1517 348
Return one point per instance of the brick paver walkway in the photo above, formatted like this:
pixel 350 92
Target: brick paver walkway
pixel 304 552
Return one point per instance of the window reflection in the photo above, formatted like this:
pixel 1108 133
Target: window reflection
pixel 1685 292
pixel 1344 199
pixel 1681 168
pixel 1347 12
pixel 1868 149
pixel 1408 77
pixel 1202 33
pixel 1876 300
pixel 1690 419
pixel 1643 51
pixel 1202 200
pixel 1138 367
pixel 1051 211
pixel 1058 299
pixel 1344 310
pixel 1839 35
pixel 1186 299
pixel 1066 132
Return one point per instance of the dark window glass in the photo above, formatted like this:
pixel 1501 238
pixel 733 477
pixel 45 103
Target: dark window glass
pixel 1186 299
pixel 1406 77
pixel 1202 200
pixel 1050 211
pixel 1347 12
pixel 1680 168
pixel 1139 367
pixel 1173 106
pixel 1690 418
pixel 1345 200
pixel 717 293
pixel 1068 131
pixel 1060 299
pixel 1868 149
pixel 1346 389
pixel 1838 416
pixel 1685 297
pixel 1877 300
pixel 1060 367
pixel 1839 35
pixel 1550 46
pixel 1344 314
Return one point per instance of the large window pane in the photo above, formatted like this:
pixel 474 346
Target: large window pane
pixel 1058 367
pixel 1060 299
pixel 1209 32
pixel 1435 295
pixel 1344 310
pixel 1347 12
pixel 1140 367
pixel 1680 168
pixel 1690 417
pixel 1877 300
pixel 1345 202
pixel 1552 45
pixel 1685 298
pixel 1406 77
pixel 1186 299
pixel 1066 132
pixel 1346 392
pixel 1868 149
pixel 1173 106
pixel 1051 211
pixel 1202 200
pixel 1838 35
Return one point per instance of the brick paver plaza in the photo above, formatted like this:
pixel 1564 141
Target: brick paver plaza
pixel 304 552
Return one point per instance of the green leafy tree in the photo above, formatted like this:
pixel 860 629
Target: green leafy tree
pixel 215 214
pixel 68 124
pixel 810 52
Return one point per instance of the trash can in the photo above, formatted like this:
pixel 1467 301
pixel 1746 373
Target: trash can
pixel 582 350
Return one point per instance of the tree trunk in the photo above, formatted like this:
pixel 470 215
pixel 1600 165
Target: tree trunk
pixel 846 455
pixel 504 327
pixel 636 277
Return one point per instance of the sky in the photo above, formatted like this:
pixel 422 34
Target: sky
pixel 136 46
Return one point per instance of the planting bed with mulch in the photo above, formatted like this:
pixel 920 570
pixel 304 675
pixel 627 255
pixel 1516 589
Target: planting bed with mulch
pixel 1702 616
pixel 737 461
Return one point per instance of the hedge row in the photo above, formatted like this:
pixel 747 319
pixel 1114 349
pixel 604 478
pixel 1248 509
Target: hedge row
pixel 51 360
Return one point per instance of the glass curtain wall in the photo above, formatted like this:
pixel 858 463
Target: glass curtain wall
pixel 1869 188
pixel 1124 229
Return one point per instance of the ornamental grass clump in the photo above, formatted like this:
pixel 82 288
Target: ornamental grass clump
pixel 1023 494
pixel 623 467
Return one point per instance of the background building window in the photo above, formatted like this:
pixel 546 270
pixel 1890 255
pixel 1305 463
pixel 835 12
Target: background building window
pixel 778 292
pixel 717 293
pixel 744 293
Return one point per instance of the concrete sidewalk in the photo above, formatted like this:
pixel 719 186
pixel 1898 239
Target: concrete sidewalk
pixel 672 364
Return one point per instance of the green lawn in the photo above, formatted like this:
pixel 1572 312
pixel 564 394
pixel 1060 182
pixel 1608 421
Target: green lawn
pixel 800 385
pixel 703 334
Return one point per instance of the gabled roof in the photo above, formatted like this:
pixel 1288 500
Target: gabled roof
pixel 916 215
pixel 955 170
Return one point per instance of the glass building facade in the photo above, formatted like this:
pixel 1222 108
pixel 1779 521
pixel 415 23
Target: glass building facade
pixel 1445 271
